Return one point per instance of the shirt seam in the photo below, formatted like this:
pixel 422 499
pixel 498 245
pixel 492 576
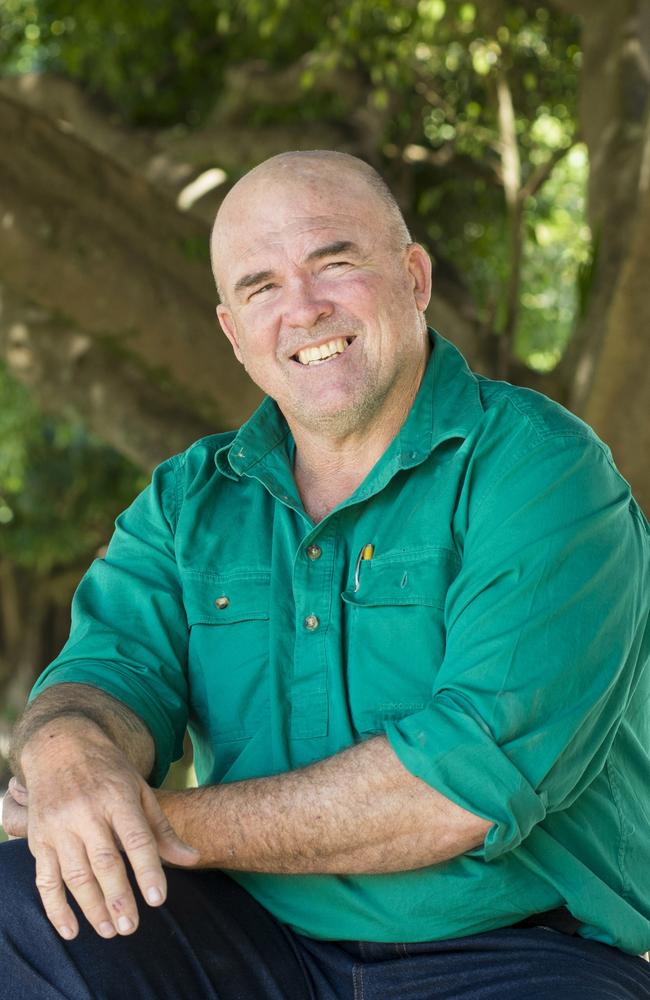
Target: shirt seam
pixel 638 515
pixel 178 493
pixel 620 854
pixel 260 575
pixel 357 981
pixel 525 451
pixel 413 553
pixel 539 424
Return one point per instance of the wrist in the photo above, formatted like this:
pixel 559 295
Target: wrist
pixel 171 802
pixel 65 735
pixel 175 804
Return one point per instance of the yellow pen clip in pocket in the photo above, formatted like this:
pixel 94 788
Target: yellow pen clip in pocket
pixel 366 554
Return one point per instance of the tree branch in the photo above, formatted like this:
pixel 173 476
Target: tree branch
pixel 98 245
pixel 119 399
pixel 516 196
pixel 510 159
pixel 542 173
pixel 511 175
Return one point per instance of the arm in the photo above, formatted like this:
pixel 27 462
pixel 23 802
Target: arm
pixel 543 629
pixel 546 638
pixel 359 811
pixel 48 715
pixel 84 756
pixel 110 710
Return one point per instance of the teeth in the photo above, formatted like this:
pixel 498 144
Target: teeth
pixel 314 355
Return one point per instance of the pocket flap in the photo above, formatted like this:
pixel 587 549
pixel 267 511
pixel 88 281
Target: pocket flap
pixel 406 577
pixel 225 599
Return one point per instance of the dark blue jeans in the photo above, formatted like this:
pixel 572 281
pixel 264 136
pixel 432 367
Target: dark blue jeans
pixel 212 940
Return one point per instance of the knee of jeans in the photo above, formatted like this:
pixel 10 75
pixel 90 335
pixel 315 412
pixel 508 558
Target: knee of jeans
pixel 18 894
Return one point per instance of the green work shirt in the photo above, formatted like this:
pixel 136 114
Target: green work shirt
pixel 497 636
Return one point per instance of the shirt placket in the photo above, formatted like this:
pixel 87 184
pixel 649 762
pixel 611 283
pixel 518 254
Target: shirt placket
pixel 312 589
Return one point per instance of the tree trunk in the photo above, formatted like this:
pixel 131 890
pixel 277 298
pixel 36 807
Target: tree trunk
pixel 617 403
pixel 608 361
pixel 112 265
pixel 107 302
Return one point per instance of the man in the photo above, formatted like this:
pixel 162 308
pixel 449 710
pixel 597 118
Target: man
pixel 404 612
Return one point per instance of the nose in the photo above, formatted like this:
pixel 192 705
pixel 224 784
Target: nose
pixel 303 307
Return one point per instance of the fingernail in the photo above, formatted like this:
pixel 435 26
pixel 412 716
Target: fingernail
pixel 66 932
pixel 124 925
pixel 154 895
pixel 106 929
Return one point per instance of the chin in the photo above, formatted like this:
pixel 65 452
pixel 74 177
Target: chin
pixel 338 421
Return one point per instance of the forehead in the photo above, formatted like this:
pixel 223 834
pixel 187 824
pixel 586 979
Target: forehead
pixel 292 217
pixel 297 238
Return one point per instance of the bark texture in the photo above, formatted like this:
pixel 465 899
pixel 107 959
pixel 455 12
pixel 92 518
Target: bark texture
pixel 106 298
pixel 122 286
pixel 608 363
pixel 107 304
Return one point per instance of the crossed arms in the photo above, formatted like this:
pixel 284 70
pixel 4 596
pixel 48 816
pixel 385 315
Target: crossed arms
pixel 542 654
pixel 82 758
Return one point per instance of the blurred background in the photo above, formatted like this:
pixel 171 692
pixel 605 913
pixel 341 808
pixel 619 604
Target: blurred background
pixel 515 136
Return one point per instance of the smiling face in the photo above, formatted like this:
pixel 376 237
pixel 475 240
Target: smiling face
pixel 323 299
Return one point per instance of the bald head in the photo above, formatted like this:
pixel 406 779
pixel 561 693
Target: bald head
pixel 321 171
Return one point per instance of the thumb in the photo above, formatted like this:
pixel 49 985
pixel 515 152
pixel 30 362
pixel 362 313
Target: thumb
pixel 170 846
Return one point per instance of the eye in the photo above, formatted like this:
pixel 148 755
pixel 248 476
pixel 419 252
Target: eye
pixel 337 263
pixel 258 291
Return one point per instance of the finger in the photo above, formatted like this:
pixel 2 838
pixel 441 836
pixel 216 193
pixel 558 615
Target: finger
pixel 94 873
pixel 170 846
pixel 14 817
pixel 50 887
pixel 140 846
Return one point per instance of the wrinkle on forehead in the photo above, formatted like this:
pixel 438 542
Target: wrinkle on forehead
pixel 299 227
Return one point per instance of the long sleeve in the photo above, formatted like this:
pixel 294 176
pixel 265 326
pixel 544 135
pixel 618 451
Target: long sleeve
pixel 546 624
pixel 129 630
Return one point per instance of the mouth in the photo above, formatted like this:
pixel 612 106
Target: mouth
pixel 310 356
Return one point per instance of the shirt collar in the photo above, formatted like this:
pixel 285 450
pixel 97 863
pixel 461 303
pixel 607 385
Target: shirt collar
pixel 261 435
pixel 454 393
pixel 446 406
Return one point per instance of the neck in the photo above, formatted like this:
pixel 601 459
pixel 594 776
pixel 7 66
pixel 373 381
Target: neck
pixel 326 473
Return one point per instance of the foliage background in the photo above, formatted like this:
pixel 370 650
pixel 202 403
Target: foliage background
pixel 484 119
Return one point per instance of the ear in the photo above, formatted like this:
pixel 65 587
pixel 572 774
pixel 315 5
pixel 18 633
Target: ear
pixel 227 324
pixel 418 265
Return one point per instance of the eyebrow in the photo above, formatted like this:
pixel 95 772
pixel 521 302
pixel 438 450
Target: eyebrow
pixel 252 279
pixel 329 250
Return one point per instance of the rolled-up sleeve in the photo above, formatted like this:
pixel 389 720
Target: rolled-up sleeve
pixel 546 634
pixel 129 630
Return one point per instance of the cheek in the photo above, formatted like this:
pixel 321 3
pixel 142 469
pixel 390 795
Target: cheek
pixel 258 350
pixel 373 294
pixel 359 297
pixel 256 336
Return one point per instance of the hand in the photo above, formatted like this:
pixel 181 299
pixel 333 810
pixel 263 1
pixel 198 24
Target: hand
pixel 14 810
pixel 86 800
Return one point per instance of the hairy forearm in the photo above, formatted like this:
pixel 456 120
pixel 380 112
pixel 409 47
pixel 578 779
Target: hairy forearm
pixel 359 811
pixel 66 708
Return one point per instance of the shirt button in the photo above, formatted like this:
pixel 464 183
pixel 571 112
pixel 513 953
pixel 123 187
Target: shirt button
pixel 314 551
pixel 222 602
pixel 311 623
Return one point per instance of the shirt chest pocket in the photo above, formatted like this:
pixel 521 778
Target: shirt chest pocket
pixel 228 662
pixel 395 634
